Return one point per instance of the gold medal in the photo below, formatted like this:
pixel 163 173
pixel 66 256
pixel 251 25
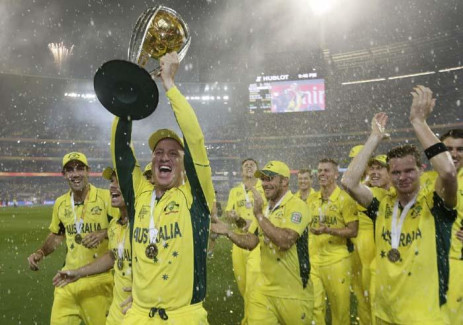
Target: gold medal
pixel 78 239
pixel 393 255
pixel 151 251
pixel 120 264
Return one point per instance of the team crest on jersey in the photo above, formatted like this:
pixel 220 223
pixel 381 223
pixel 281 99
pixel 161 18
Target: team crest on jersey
pixel 67 213
pixel 388 212
pixel 145 210
pixel 416 211
pixel 296 217
pixel 171 207
pixel 96 210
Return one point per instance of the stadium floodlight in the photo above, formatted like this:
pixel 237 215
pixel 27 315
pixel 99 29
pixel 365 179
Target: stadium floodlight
pixel 321 7
pixel 362 81
pixel 412 75
pixel 451 69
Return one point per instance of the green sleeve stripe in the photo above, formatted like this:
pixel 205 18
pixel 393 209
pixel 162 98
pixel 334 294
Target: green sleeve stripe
pixel 200 218
pixel 302 245
pixel 124 163
pixel 443 220
pixel 372 210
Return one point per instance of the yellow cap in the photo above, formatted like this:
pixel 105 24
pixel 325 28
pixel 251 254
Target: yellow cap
pixel 75 156
pixel 273 168
pixel 381 159
pixel 163 134
pixel 108 173
pixel 355 150
pixel 147 168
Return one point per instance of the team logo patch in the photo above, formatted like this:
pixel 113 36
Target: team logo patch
pixel 296 217
pixel 171 207
pixel 96 210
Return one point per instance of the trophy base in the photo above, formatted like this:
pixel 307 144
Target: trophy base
pixel 126 90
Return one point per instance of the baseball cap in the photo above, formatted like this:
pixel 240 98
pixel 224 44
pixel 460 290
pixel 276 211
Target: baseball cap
pixel 74 156
pixel 355 150
pixel 380 159
pixel 273 168
pixel 163 134
pixel 108 173
pixel 147 168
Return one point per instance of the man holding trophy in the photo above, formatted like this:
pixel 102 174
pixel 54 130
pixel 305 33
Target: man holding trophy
pixel 170 215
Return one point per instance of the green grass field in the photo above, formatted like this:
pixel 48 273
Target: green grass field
pixel 26 297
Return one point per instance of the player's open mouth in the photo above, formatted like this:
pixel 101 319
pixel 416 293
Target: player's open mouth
pixel 165 170
pixel 115 195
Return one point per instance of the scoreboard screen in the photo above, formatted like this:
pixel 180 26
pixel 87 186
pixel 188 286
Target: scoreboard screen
pixel 284 93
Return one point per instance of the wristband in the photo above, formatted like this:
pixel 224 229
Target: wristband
pixel 434 150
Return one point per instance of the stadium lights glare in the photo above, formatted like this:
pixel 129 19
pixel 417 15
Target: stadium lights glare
pixel 412 75
pixel 89 96
pixel 321 7
pixel 362 81
pixel 207 98
pixel 451 69
pixel 401 76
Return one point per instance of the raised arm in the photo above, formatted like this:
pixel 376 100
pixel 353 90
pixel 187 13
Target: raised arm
pixel 439 157
pixel 125 163
pixel 196 161
pixel 351 180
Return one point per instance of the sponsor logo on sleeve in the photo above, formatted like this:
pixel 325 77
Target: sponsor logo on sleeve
pixel 296 217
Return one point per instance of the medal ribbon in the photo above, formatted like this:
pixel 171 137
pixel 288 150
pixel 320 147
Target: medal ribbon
pixel 152 229
pixel 246 196
pixel 121 243
pixel 396 228
pixel 79 223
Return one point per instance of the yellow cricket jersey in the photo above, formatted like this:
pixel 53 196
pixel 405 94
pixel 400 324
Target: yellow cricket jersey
pixel 456 249
pixel 120 234
pixel 237 200
pixel 176 277
pixel 336 212
pixel 298 194
pixel 96 215
pixel 412 289
pixel 428 179
pixel 285 274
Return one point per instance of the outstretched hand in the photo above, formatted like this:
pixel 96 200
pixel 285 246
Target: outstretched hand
pixel 63 278
pixel 93 239
pixel 322 229
pixel 220 228
pixel 34 260
pixel 258 201
pixel 378 125
pixel 422 104
pixel 169 66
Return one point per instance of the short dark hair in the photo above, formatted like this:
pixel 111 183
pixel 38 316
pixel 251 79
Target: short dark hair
pixel 402 151
pixel 249 159
pixel 304 171
pixel 454 133
pixel 328 160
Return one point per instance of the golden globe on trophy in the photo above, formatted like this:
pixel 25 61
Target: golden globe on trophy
pixel 126 88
